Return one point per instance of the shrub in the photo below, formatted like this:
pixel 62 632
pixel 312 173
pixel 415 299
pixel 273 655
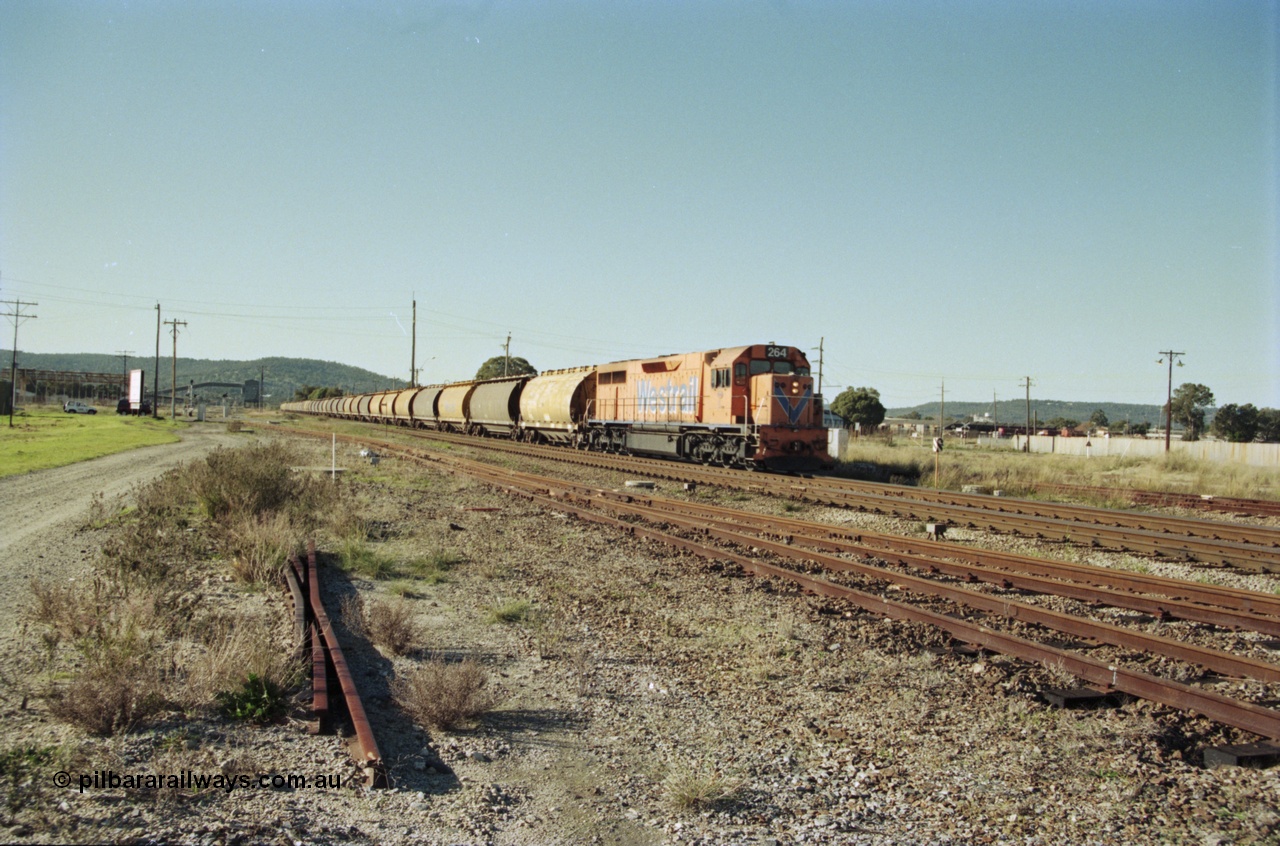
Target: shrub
pixel 118 684
pixel 251 480
pixel 391 625
pixel 442 695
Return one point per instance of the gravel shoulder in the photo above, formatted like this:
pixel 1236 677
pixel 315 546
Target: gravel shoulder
pixel 637 677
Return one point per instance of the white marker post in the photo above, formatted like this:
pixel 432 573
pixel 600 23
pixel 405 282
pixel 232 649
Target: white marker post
pixel 333 459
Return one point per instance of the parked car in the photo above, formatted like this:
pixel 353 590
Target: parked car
pixel 122 407
pixel 77 407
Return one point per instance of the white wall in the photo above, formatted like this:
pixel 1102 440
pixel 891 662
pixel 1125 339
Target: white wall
pixel 1255 455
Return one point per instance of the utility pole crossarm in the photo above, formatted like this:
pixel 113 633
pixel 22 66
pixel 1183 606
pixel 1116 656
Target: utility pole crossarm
pixel 17 316
pixel 173 387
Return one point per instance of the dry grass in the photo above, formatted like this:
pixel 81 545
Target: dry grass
pixel 689 789
pixel 390 625
pixel 911 462
pixel 227 651
pixel 444 695
pixel 511 611
pixel 131 642
pixel 259 546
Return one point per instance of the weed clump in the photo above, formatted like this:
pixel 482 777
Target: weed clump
pixel 514 611
pixel 443 695
pixel 259 546
pixel 388 624
pixel 357 556
pixel 250 480
pixel 692 789
pixel 258 700
pixel 130 643
pixel 24 770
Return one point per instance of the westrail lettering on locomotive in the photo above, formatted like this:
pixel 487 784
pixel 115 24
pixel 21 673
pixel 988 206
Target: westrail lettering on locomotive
pixel 667 397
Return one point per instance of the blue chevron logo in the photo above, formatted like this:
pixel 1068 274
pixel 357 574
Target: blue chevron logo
pixel 793 412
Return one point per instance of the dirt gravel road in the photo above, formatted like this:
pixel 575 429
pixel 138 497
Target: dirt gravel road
pixel 40 512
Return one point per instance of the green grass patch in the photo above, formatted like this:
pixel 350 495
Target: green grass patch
pixel 515 611
pixel 42 438
pixel 434 568
pixel 361 558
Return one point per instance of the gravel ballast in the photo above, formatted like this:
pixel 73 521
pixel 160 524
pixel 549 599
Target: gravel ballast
pixel 647 697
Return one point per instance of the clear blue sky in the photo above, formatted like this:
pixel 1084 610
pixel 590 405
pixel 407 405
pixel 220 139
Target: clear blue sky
pixel 973 192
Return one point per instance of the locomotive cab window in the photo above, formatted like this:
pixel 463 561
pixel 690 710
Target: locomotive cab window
pixel 720 378
pixel 740 373
pixel 759 366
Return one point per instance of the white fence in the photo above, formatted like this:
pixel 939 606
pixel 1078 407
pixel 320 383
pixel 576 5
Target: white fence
pixel 1255 455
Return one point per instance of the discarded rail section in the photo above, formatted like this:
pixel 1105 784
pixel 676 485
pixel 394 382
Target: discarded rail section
pixel 315 632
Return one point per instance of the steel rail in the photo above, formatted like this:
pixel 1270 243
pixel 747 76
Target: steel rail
pixel 1208 541
pixel 370 758
pixel 1173 499
pixel 1265 536
pixel 1243 715
pixel 1251 602
pixel 1012 609
pixel 815 536
pixel 1251 605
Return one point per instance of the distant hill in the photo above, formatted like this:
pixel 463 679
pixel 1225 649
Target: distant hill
pixel 283 375
pixel 1013 411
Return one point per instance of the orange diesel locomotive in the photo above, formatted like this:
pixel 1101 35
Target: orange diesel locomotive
pixel 736 407
pixel 752 406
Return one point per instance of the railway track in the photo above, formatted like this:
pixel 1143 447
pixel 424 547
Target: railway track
pixel 1210 542
pixel 1167 499
pixel 823 559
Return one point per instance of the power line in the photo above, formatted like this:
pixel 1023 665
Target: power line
pixel 16 316
pixel 173 387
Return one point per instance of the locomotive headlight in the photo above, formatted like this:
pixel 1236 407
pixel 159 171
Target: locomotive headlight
pixel 795 387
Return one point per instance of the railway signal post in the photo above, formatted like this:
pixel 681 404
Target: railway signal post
pixel 937 450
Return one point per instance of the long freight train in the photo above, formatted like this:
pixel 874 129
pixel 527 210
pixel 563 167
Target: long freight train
pixel 751 406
